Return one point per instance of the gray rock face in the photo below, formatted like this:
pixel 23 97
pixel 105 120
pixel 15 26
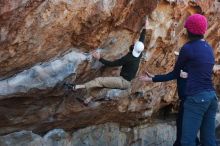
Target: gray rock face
pixel 155 135
pixel 22 138
pixel 110 134
pixel 44 75
pixel 44 43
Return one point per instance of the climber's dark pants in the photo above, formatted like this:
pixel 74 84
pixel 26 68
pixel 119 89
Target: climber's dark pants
pixel 179 125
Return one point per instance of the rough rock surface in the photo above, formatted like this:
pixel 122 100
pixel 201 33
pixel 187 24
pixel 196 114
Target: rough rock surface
pixel 43 43
pixel 110 134
pixel 158 133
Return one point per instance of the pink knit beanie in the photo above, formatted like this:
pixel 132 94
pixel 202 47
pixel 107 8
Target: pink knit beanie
pixel 196 24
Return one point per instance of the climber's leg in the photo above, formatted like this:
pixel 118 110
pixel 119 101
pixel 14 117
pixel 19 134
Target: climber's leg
pixel 108 82
pixel 105 82
pixel 97 82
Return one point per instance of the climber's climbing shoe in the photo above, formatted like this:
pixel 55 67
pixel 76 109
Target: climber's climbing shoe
pixel 70 86
pixel 66 86
pixel 74 87
pixel 87 100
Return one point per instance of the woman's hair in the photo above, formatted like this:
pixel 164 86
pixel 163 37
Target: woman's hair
pixel 193 37
pixel 131 48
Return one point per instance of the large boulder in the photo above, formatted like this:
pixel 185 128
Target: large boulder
pixel 45 43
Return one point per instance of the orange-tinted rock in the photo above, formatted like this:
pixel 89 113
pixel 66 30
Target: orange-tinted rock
pixel 37 33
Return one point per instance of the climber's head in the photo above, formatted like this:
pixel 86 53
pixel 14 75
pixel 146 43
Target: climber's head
pixel 196 26
pixel 138 47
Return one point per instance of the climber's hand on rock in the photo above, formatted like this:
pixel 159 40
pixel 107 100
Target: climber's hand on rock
pixel 145 78
pixel 146 23
pixel 96 55
pixel 183 74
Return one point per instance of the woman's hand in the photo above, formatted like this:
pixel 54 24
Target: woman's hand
pixel 145 78
pixel 183 74
pixel 149 74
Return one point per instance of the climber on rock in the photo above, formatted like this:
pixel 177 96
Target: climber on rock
pixel 130 64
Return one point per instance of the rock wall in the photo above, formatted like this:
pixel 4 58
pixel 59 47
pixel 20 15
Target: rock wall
pixel 44 43
pixel 109 134
pixel 156 133
pixel 36 31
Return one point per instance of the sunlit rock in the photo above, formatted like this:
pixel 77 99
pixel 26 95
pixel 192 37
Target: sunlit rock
pixel 45 43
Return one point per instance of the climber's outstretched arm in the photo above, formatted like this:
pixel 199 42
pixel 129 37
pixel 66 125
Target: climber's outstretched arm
pixel 143 32
pixel 123 60
pixel 118 62
pixel 142 35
